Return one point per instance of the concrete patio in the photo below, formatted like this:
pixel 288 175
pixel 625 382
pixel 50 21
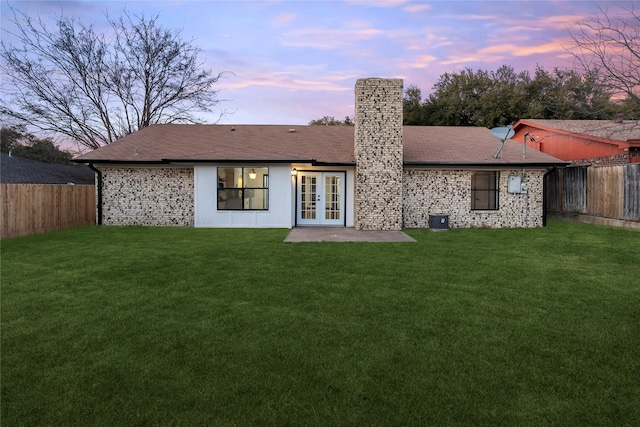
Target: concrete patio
pixel 344 234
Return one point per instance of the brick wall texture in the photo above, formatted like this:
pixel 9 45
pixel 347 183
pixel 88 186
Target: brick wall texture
pixel 431 192
pixel 147 196
pixel 378 153
pixel 164 196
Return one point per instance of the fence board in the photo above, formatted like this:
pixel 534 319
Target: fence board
pixel 599 191
pixel 631 209
pixel 553 195
pixel 606 191
pixel 574 189
pixel 34 208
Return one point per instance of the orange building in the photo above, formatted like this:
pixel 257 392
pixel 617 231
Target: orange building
pixel 582 141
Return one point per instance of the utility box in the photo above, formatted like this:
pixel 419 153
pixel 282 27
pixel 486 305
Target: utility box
pixel 439 222
pixel 515 184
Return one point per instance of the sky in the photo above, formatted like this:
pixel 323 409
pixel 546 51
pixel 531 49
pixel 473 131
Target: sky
pixel 289 62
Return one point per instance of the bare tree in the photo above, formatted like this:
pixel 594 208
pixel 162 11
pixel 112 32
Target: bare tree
pixel 96 88
pixel 607 45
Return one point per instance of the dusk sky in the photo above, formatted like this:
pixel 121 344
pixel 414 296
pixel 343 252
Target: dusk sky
pixel 294 61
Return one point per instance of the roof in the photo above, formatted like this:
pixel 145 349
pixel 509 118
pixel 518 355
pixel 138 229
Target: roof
pixel 314 144
pixel 626 130
pixel 186 142
pixel 18 170
pixel 460 145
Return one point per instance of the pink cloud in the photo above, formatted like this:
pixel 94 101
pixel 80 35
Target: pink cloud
pixel 476 17
pixel 415 8
pixel 282 19
pixel 378 3
pixel 292 81
pixel 556 22
pixel 420 61
pixel 515 50
pixel 500 51
pixel 324 38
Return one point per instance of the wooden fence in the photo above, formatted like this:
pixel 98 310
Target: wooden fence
pixel 600 191
pixel 35 208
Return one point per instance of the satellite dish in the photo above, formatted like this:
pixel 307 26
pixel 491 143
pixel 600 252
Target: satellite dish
pixel 502 133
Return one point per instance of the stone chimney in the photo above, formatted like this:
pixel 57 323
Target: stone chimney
pixel 378 153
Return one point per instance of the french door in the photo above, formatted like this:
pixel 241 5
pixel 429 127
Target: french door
pixel 320 198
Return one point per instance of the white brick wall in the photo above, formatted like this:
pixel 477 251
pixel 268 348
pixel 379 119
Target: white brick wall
pixel 429 192
pixel 147 196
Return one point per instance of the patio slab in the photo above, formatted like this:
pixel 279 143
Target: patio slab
pixel 344 234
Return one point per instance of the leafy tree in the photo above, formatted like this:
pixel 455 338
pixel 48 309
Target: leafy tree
pixel 332 121
pixel 74 81
pixel 412 107
pixel 17 141
pixel 568 95
pixel 607 47
pixel 477 98
pixel 501 97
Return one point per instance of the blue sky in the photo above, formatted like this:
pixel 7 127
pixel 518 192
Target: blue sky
pixel 294 61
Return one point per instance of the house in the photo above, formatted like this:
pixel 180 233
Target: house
pixel 18 170
pixel 376 175
pixel 583 141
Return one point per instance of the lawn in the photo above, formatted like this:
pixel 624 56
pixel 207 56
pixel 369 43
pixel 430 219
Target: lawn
pixel 183 326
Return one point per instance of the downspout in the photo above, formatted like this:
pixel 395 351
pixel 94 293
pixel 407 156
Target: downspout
pixel 99 210
pixel 544 195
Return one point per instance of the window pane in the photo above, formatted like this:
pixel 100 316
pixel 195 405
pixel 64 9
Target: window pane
pixel 256 199
pixel 484 190
pixel 230 177
pixel 255 177
pixel 229 199
pixel 332 197
pixel 308 197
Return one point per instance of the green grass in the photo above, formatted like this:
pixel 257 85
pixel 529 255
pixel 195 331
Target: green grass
pixel 179 326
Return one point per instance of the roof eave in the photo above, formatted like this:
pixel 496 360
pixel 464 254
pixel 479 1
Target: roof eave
pixel 121 162
pixel 212 160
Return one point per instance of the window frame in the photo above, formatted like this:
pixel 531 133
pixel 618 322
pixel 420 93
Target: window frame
pixel 222 188
pixel 491 194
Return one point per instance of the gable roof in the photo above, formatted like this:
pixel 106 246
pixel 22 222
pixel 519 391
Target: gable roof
pixel 18 170
pixel 607 131
pixel 331 145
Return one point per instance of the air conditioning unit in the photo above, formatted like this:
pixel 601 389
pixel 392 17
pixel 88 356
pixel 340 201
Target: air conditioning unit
pixel 439 222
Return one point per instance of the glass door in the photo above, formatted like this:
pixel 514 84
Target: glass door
pixel 320 198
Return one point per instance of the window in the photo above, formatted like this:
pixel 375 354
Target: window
pixel 484 190
pixel 241 189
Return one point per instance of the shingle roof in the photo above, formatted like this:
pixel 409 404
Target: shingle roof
pixel 317 144
pixel 228 142
pixel 464 145
pixel 18 170
pixel 607 129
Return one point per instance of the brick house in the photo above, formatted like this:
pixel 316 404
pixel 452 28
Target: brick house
pixel 598 142
pixel 376 175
